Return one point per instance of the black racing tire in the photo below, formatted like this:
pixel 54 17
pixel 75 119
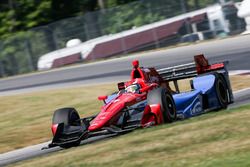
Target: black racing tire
pixel 221 90
pixel 68 116
pixel 164 98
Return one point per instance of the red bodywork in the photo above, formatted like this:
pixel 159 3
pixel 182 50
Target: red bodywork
pixel 202 65
pixel 128 110
pixel 148 79
pixel 54 128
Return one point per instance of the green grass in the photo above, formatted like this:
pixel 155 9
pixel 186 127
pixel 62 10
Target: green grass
pixel 26 119
pixel 22 114
pixel 215 139
pixel 206 140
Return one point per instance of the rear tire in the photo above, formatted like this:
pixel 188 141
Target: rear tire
pixel 221 91
pixel 164 98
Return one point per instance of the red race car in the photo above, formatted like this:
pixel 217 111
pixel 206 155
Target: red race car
pixel 146 100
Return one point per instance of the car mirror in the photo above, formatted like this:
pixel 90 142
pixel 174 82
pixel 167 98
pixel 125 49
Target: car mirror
pixel 102 97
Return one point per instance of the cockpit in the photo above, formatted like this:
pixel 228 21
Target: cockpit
pixel 134 88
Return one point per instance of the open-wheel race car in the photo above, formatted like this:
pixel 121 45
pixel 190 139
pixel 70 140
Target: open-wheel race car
pixel 147 100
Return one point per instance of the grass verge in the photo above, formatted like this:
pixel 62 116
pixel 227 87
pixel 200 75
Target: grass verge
pixel 214 139
pixel 25 119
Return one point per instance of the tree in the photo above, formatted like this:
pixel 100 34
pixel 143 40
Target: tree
pixel 73 19
pixel 21 15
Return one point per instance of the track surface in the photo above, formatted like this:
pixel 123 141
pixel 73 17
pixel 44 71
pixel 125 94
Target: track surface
pixel 36 150
pixel 241 97
pixel 236 50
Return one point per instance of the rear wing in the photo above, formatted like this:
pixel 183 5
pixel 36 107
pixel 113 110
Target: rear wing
pixel 189 70
pixel 178 72
pixel 200 66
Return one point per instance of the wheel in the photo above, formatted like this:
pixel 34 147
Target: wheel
pixel 164 98
pixel 68 116
pixel 221 91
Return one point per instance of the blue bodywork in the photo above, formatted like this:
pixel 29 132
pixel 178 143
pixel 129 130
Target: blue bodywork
pixel 189 104
pixel 200 99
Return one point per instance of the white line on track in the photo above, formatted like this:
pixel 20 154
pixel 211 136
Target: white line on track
pixel 239 72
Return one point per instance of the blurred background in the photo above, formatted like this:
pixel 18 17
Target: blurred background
pixel 45 34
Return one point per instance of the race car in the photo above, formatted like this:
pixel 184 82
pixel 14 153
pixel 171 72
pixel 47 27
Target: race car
pixel 148 100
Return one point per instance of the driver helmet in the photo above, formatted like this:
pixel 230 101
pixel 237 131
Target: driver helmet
pixel 134 88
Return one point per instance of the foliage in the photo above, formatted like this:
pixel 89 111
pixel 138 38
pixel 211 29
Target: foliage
pixel 127 17
pixel 53 22
pixel 20 49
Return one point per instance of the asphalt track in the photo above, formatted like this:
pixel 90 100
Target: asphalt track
pixel 36 150
pixel 241 97
pixel 236 50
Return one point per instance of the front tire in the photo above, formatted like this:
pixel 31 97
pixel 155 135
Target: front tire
pixel 70 117
pixel 164 98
